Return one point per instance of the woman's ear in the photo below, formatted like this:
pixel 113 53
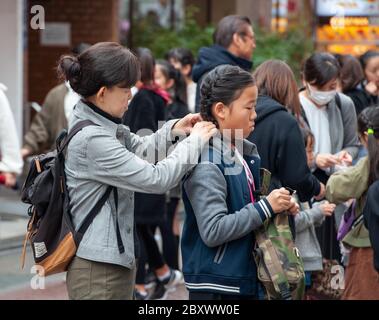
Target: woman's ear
pixel 100 94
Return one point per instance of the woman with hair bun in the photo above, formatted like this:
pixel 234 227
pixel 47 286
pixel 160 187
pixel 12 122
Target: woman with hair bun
pixel 108 154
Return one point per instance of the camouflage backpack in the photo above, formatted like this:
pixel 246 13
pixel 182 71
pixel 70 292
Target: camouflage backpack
pixel 279 265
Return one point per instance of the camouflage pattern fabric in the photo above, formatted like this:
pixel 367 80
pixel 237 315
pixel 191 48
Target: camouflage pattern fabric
pixel 280 267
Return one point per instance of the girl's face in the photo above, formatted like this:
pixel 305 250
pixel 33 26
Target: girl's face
pixel 185 70
pixel 114 100
pixel 161 80
pixel 240 115
pixel 372 70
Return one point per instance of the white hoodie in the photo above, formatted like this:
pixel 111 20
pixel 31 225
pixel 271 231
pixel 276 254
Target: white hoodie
pixel 10 155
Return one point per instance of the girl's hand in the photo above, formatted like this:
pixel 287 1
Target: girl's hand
pixel 187 123
pixel 279 200
pixel 294 208
pixel 327 208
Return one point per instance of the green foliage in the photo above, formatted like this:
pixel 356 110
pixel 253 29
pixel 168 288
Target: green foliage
pixel 292 47
pixel 159 40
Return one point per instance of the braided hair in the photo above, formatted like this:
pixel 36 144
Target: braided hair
pixel 368 121
pixel 223 84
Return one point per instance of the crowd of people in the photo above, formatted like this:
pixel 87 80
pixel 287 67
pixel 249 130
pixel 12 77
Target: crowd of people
pixel 319 141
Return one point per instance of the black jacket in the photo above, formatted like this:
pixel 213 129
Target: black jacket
pixel 371 219
pixel 282 150
pixel 211 57
pixel 361 99
pixel 145 110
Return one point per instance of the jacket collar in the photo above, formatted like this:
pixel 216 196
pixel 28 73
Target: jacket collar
pixel 83 111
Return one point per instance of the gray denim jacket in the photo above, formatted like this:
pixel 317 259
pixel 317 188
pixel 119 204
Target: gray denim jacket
pixel 110 155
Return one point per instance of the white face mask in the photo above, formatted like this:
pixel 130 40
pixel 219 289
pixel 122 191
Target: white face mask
pixel 322 98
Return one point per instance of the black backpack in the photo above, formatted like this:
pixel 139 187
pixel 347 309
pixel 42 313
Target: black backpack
pixel 50 230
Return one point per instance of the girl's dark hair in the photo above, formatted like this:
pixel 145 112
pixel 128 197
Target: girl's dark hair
pixel 364 58
pixel 351 72
pixel 276 80
pixel 223 84
pixel 182 55
pixel 147 63
pixel 103 64
pixel 320 68
pixel 306 133
pixel 369 119
pixel 169 72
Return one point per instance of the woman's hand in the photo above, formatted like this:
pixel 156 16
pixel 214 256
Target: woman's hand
pixel 187 123
pixel 204 130
pixel 280 200
pixel 345 158
pixel 25 153
pixel 371 88
pixel 326 160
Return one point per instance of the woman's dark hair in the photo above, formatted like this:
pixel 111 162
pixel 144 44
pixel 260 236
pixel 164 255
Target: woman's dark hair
pixel 147 63
pixel 351 72
pixel 180 87
pixel 275 79
pixel 223 84
pixel 103 64
pixel 364 58
pixel 320 68
pixel 182 55
pixel 227 27
pixel 369 119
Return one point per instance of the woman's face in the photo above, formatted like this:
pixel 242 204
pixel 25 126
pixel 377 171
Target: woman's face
pixel 115 100
pixel 240 115
pixel 372 70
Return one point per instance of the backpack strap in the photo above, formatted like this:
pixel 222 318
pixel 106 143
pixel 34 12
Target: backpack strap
pixel 338 102
pixel 75 129
pixel 93 213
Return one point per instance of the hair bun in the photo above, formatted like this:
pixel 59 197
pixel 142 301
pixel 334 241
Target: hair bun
pixel 69 69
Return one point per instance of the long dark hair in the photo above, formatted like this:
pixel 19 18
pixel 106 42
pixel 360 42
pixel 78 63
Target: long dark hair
pixel 276 80
pixel 223 84
pixel 105 64
pixel 368 120
pixel 147 63
pixel 180 87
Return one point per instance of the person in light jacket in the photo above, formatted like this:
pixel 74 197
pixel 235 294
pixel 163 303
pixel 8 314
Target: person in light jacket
pixel 108 154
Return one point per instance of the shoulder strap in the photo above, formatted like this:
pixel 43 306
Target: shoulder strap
pixel 79 126
pixel 338 101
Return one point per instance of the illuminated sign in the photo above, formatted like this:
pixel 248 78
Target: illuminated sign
pixel 329 8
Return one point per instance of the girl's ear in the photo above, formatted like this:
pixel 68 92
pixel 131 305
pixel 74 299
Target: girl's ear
pixel 170 83
pixel 219 111
pixel 186 69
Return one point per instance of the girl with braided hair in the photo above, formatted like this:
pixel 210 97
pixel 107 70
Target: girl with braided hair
pixel 219 195
pixel 361 279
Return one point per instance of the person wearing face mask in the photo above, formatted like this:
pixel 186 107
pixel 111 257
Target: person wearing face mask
pixel 332 119
pixel 330 116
